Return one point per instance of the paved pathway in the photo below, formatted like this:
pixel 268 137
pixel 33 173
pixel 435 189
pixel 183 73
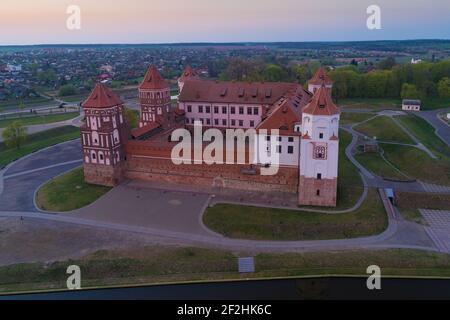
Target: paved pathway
pixel 442 129
pixel 439 228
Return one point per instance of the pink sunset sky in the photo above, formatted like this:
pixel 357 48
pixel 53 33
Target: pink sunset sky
pixel 169 21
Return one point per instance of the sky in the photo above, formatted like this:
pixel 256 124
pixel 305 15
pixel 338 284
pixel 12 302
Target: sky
pixel 175 21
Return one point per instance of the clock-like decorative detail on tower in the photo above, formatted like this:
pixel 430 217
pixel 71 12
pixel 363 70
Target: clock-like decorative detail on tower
pixel 320 152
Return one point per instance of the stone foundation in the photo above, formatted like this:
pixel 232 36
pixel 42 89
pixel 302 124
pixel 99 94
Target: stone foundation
pixel 103 175
pixel 314 192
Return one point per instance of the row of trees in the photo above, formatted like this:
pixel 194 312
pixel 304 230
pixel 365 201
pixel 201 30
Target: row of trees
pixel 387 79
pixel 423 80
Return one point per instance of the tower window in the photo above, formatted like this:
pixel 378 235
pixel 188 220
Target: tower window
pixel 290 149
pixel 319 176
pixel 318 193
pixel 101 157
pixel 321 136
pixel 291 139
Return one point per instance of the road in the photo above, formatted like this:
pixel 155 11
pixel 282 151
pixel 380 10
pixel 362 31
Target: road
pixel 442 129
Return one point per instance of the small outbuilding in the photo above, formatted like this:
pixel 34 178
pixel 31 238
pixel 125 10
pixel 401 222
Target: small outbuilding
pixel 411 105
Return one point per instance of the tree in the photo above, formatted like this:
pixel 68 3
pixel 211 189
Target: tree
pixel 67 90
pixel 274 73
pixel 444 88
pixel 409 91
pixel 387 64
pixel 15 135
pixel 131 117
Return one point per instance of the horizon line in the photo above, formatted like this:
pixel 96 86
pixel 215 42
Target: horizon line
pixel 217 43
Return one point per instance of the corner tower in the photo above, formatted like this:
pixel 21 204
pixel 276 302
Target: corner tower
pixel 103 136
pixel 154 98
pixel 188 74
pixel 320 79
pixel 319 151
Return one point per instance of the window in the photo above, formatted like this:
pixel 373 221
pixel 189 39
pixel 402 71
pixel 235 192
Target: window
pixel 101 157
pixel 224 110
pixel 93 156
pixel 200 109
pixel 189 108
pixel 216 110
pixel 208 109
pixel 267 138
pixel 241 110
pixel 252 123
pixel 290 149
pixel 291 139
pixel 255 111
pixel 321 135
pixel 233 122
pixel 319 176
pixel 241 123
pixel 224 122
pixel 249 111
pixel 208 121
pixel 279 149
pixel 216 122
pixel 233 110
pixel 318 193
pixel 280 139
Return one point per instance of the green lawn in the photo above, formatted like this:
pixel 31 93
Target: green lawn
pixel 423 131
pixel 435 103
pixel 38 141
pixel 256 223
pixel 5 105
pixel 68 192
pixel 52 118
pixel 158 264
pixel 375 163
pixel 373 104
pixel 75 98
pixel 355 117
pixel 410 203
pixel 417 164
pixel 350 186
pixel 384 129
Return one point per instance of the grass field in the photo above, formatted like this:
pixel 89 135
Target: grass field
pixel 350 186
pixel 6 105
pixel 150 265
pixel 372 104
pixel 409 204
pixel 244 222
pixel 375 163
pixel 52 118
pixel 384 129
pixel 68 192
pixel 355 117
pixel 38 141
pixel 425 132
pixel 417 164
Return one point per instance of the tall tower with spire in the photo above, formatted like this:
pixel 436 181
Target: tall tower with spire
pixel 154 98
pixel 103 137
pixel 320 79
pixel 188 74
pixel 319 151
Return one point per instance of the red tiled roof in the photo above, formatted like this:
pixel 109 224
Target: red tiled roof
pixel 188 74
pixel 321 104
pixel 283 118
pixel 236 92
pixel 136 133
pixel 321 77
pixel 102 97
pixel 153 80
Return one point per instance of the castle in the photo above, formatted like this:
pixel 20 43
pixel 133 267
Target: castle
pixel 307 142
